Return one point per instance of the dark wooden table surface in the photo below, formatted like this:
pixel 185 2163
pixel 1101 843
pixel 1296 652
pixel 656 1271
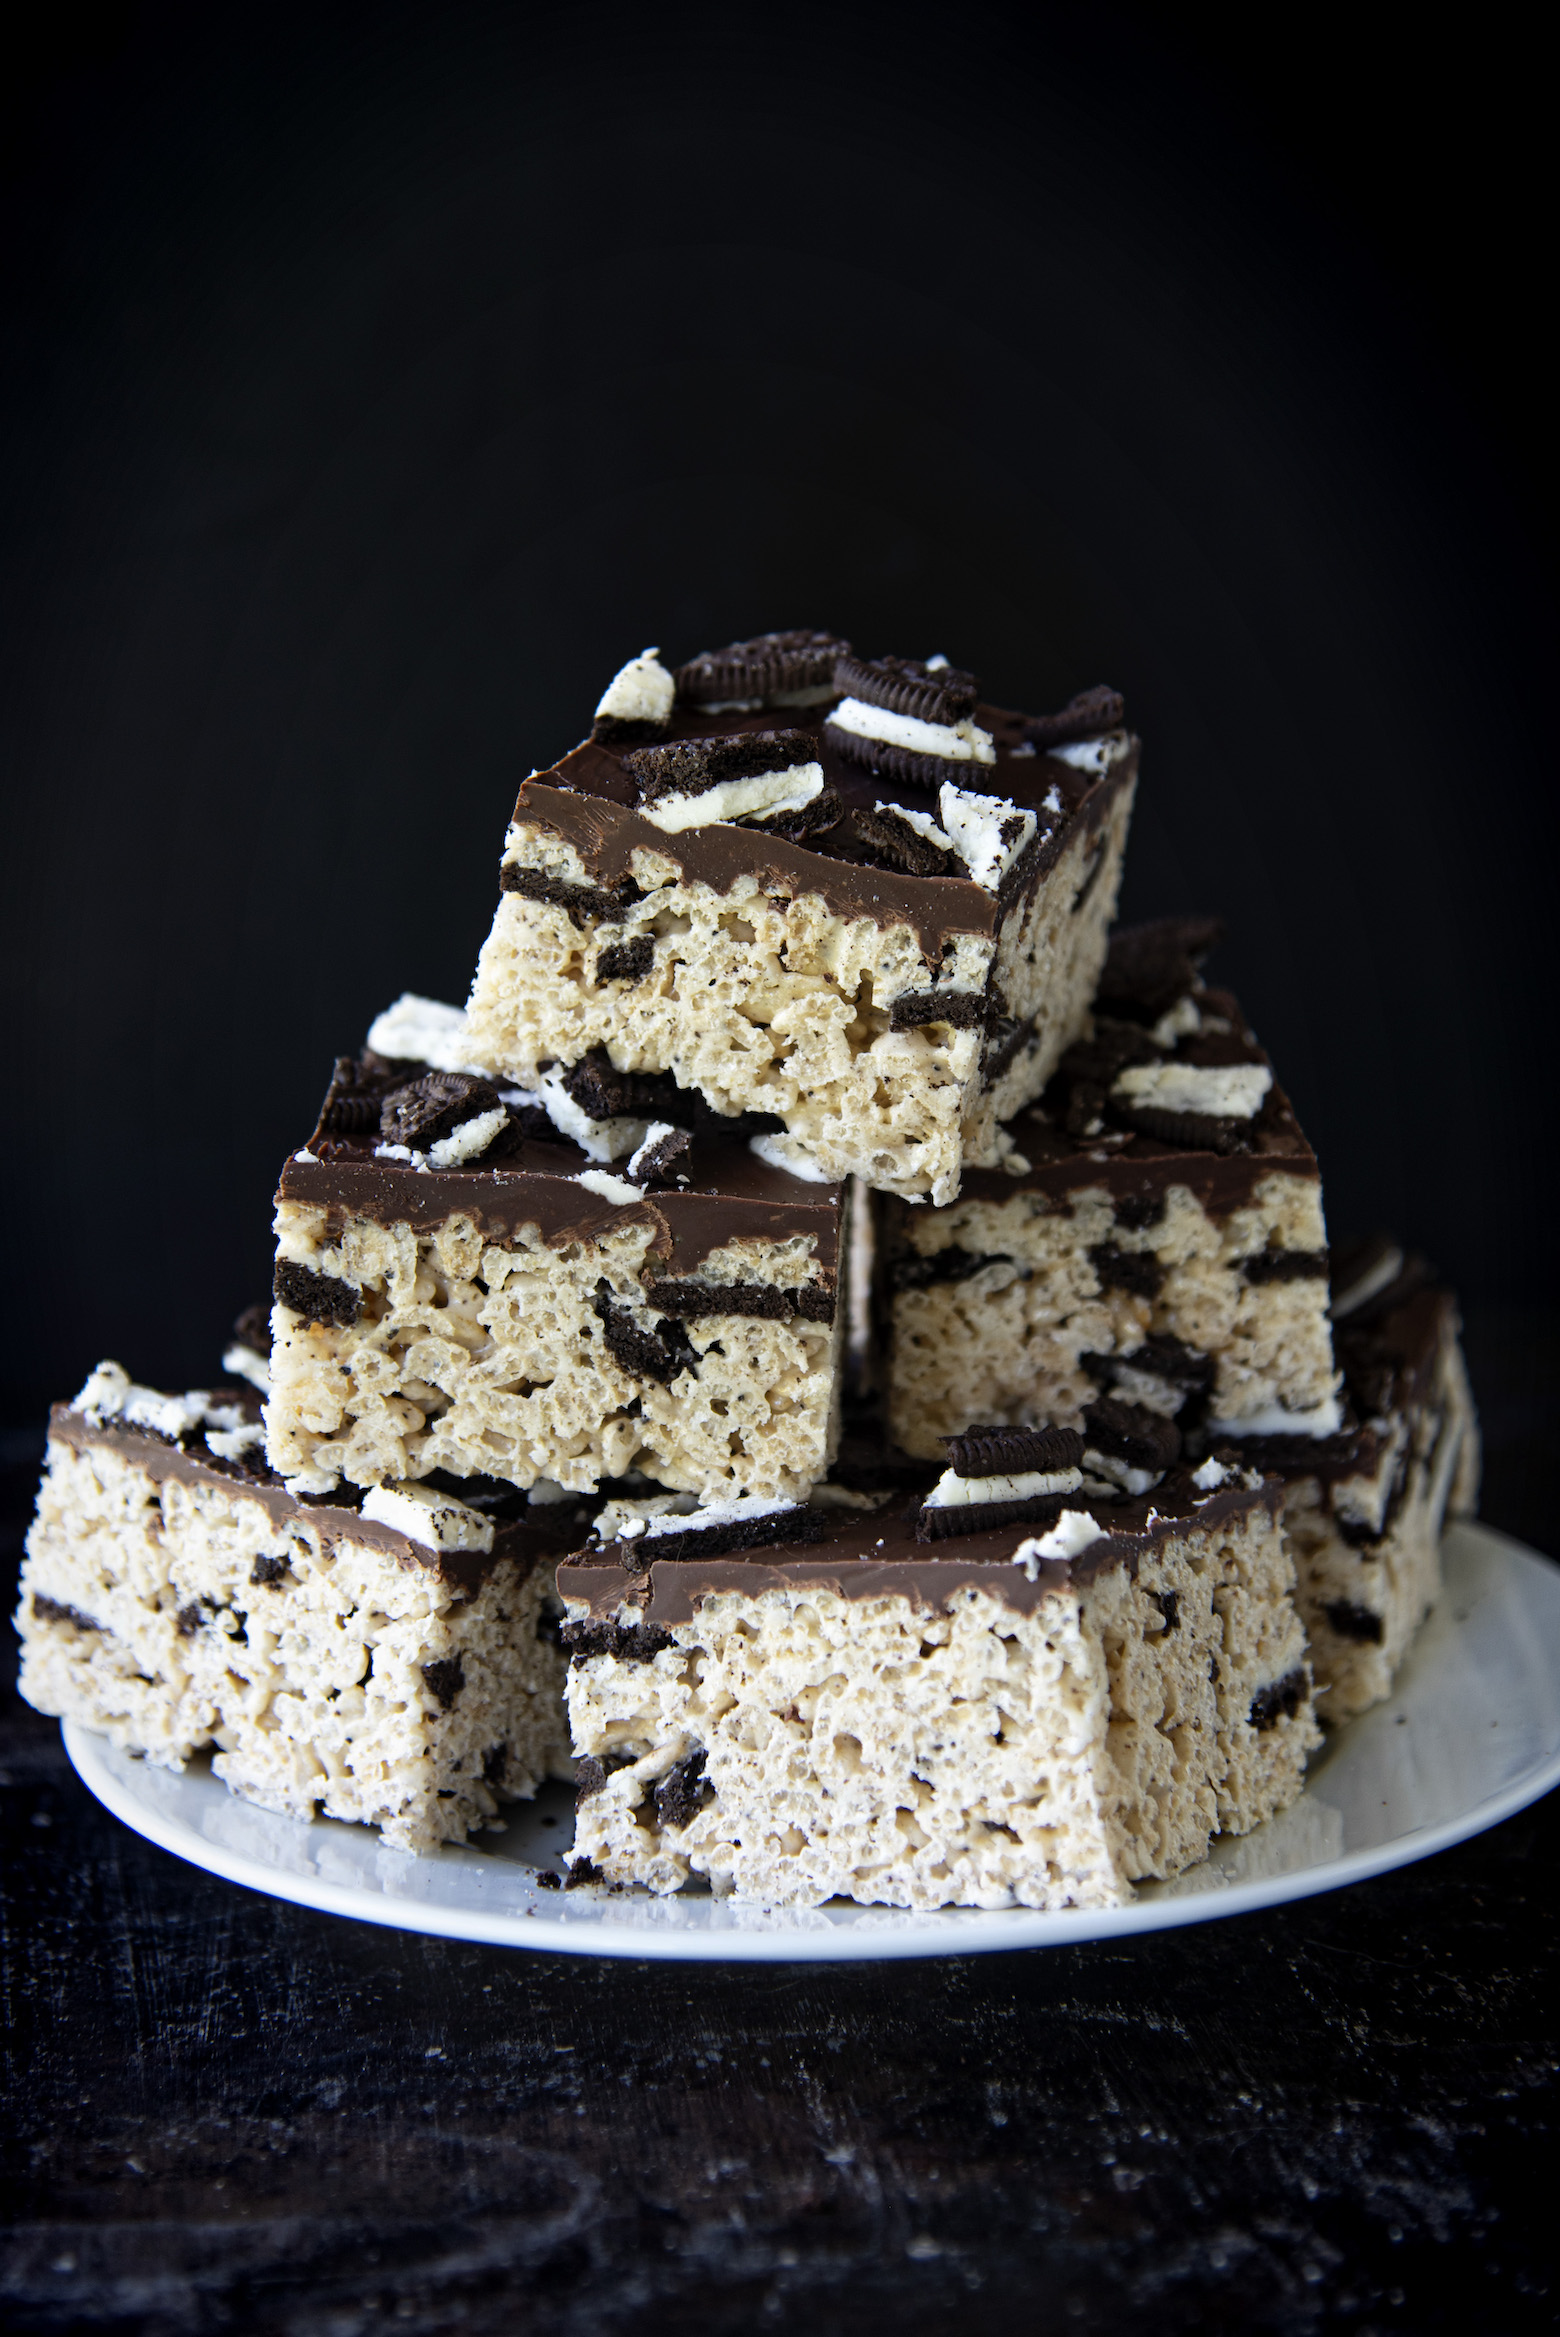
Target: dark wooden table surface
pixel 225 2113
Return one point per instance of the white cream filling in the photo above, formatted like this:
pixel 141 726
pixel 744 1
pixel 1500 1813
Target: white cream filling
pixel 953 742
pixel 1073 1531
pixel 109 1393
pixel 975 823
pixel 422 1030
pixel 1210 1476
pixel 608 1188
pixel 760 797
pixel 433 1519
pixel 1092 754
pixel 641 691
pixel 311 1481
pixel 231 1444
pixel 545 1494
pixel 597 1139
pixel 1116 1471
pixel 718 1513
pixel 1232 1091
pixel 1376 1279
pixel 1181 1021
pixel 417 1160
pixel 789 1153
pixel 248 1363
pixel 466 1141
pixel 625 1520
pixel 952 1491
pixel 1277 1420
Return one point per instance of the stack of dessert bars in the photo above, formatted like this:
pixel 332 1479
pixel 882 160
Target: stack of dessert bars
pixel 831 1349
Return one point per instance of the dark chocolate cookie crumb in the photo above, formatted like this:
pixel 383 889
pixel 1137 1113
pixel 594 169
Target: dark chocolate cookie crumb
pixel 883 839
pixel 905 685
pixel 949 1265
pixel 769 1302
pixel 253 1330
pixel 590 1778
pixel 446 1677
pixel 691 766
pixel 1169 1604
pixel 582 1871
pixel 1138 1211
pixel 188 1620
pixel 1090 715
pixel 494 1762
pixel 319 1298
pixel 1281 1700
pixel 1186 1131
pixel 1081 896
pixel 695 1541
pixel 1148 967
pixel 47 1610
pixel 433 1106
pixel 1010 1452
pixel 547 1880
pixel 769 666
pixel 1131 1433
pixel 662 1354
pixel 609 730
pixel 1137 1271
pixel 809 819
pixel 1006 1041
pixel 981 1517
pixel 961 1010
pixel 629 1642
pixel 1286 1266
pixel 626 961
pixel 657 1164
pixel 268 1570
pixel 1352 1621
pixel 352 1100
pixel 582 904
pixel 682 1792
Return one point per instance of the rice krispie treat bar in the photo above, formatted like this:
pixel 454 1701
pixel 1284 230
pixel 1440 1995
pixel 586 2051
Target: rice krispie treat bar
pixel 573 1283
pixel 1159 1238
pixel 1364 1510
pixel 834 889
pixel 396 1664
pixel 1036 1711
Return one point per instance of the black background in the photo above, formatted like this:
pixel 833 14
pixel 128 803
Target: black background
pixel 375 382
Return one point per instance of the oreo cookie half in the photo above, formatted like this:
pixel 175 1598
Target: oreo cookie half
pixel 907 685
pixel 773 669
pixel 1148 967
pixel 692 766
pixel 1090 715
pixel 1013 1452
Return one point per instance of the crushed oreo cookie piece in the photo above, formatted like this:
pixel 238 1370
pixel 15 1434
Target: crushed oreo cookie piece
pixel 1136 1271
pixel 688 1539
pixel 267 1571
pixel 1006 1040
pixel 1013 1452
pixel 629 1642
pixel 1186 1131
pixel 1280 1700
pixel 582 904
pixel 605 1093
pixel 1133 1434
pixel 1169 1604
pixel 949 1265
pixel 692 766
pixel 809 819
pixel 906 685
pixel 657 1163
pixel 1164 1359
pixel 682 1792
pixel 1149 967
pixel 47 1610
pixel 626 961
pixel 253 1330
pixel 1090 715
pixel 319 1298
pixel 982 1517
pixel 433 1106
pixel 884 838
pixel 1352 1621
pixel 961 1010
pixel 1274 1265
pixel 590 1778
pixel 1098 1061
pixel 796 666
pixel 770 1302
pixel 663 1354
pixel 353 1098
pixel 1136 1212
pixel 547 1880
pixel 582 1872
pixel 446 1677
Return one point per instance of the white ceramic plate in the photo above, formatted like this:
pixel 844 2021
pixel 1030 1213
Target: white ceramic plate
pixel 1472 1734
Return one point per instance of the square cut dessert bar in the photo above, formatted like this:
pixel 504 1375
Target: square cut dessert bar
pixel 1160 1238
pixel 836 890
pixel 553 1287
pixel 395 1663
pixel 1364 1510
pixel 1037 1710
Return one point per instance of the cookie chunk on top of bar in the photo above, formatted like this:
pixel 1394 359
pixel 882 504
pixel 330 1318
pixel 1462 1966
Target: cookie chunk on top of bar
pixel 573 1282
pixel 1364 1509
pixel 836 890
pixel 394 1661
pixel 1067 1691
pixel 1163 1244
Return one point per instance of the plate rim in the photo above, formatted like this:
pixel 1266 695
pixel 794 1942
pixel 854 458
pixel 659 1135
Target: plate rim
pixel 970 1931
